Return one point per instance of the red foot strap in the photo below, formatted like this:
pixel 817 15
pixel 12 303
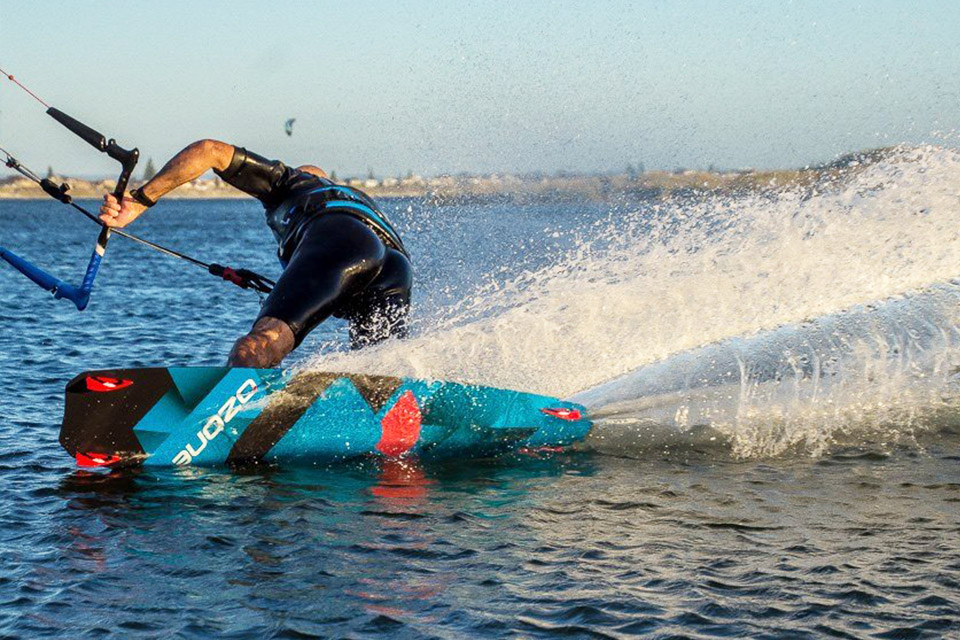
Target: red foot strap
pixel 401 426
pixel 103 384
pixel 563 413
pixel 96 459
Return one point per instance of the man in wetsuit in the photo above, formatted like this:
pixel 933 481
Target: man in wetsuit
pixel 341 255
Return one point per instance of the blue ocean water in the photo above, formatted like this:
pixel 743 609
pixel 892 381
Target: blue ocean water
pixel 861 539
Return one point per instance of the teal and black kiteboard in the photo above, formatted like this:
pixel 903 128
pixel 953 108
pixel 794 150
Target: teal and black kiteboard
pixel 208 416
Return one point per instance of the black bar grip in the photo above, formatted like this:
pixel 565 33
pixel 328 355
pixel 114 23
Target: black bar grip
pixel 94 138
pixel 127 158
pixel 102 239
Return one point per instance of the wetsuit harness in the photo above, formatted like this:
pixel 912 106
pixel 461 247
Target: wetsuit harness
pixel 292 197
pixel 341 254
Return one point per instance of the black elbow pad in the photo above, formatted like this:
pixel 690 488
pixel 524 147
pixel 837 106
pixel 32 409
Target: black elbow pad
pixel 255 175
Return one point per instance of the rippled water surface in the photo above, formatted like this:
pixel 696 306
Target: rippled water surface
pixel 855 540
pixel 853 545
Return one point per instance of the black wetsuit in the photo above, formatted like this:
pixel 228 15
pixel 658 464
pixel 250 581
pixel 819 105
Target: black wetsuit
pixel 341 255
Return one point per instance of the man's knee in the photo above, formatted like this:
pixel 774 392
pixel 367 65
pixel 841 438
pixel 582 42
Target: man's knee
pixel 267 344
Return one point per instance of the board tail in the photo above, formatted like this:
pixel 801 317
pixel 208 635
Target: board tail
pixel 101 410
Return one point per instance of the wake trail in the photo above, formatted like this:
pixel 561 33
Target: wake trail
pixel 887 372
pixel 642 284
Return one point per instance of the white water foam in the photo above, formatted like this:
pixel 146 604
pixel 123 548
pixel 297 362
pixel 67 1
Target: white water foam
pixel 885 372
pixel 680 275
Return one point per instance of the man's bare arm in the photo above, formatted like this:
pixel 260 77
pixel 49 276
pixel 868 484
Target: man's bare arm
pixel 191 163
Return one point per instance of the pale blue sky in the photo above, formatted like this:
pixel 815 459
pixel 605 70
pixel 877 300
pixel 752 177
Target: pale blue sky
pixel 485 85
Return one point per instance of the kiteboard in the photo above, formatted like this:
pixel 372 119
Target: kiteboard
pixel 219 416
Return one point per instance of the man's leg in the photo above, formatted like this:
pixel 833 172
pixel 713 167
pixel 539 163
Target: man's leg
pixel 267 344
pixel 337 256
pixel 381 310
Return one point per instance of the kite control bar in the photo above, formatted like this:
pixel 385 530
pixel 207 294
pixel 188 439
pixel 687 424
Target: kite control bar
pixel 243 278
pixel 127 158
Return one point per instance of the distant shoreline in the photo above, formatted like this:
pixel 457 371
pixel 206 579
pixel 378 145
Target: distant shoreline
pixel 653 185
pixel 650 185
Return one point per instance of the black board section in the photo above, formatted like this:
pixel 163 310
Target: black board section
pixel 103 421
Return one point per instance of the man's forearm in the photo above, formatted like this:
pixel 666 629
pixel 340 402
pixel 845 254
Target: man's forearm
pixel 189 164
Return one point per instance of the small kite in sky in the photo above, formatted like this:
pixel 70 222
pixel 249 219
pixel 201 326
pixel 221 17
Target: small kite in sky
pixel 288 126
